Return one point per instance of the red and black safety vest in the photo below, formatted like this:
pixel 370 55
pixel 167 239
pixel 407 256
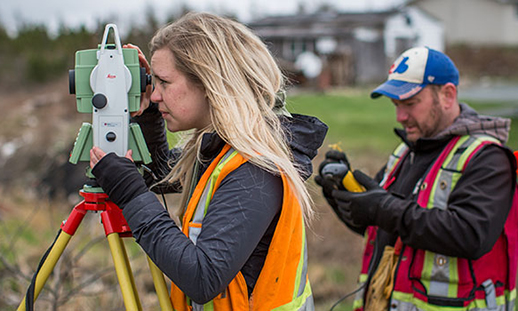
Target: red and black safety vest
pixel 425 280
pixel 283 282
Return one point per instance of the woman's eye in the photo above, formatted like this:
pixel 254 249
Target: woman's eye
pixel 160 81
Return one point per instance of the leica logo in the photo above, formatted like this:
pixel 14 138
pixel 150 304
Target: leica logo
pixel 110 76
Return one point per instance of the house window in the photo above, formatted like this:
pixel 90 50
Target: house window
pixel 297 47
pixel 300 45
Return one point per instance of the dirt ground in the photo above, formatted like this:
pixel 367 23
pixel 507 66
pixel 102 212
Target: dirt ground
pixel 37 130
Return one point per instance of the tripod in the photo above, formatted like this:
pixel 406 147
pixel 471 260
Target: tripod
pixel 115 227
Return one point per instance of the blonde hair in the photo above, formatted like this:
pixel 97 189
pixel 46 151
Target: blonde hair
pixel 240 79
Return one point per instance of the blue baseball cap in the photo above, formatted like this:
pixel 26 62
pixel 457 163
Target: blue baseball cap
pixel 413 70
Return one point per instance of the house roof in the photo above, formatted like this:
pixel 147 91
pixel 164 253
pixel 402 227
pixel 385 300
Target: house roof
pixel 318 24
pixel 410 2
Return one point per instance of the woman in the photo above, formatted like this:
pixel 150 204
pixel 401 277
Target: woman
pixel 241 245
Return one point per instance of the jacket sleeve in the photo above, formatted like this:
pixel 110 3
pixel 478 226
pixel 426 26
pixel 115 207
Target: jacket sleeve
pixel 476 213
pixel 304 134
pixel 239 214
pixel 153 129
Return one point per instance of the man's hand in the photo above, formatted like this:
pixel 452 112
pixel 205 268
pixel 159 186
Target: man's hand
pixel 333 156
pixel 362 206
pixel 329 185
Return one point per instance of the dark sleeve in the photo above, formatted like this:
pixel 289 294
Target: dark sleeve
pixel 239 214
pixel 477 210
pixel 305 134
pixel 153 129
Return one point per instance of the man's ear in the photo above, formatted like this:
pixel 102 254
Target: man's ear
pixel 449 95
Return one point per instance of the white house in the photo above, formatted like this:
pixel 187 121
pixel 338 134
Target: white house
pixel 358 47
pixel 474 22
pixel 412 27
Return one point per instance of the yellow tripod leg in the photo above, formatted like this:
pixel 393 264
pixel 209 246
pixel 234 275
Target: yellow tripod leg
pixel 160 286
pixel 124 274
pixel 49 264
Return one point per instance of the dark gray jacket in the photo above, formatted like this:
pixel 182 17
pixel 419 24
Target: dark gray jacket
pixel 240 220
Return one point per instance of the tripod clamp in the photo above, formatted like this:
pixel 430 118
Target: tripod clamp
pixel 111 215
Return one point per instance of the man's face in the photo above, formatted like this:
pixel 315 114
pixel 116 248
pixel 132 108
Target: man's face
pixel 422 116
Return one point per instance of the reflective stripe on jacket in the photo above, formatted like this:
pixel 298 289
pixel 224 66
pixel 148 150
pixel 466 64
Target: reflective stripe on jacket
pixel 426 280
pixel 283 282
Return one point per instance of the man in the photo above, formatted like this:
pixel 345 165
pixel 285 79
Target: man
pixel 440 217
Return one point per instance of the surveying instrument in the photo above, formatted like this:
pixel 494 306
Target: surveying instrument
pixel 108 82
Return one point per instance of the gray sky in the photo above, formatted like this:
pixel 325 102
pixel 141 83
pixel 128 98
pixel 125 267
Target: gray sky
pixel 75 12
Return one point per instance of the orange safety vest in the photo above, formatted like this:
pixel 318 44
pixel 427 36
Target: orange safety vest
pixel 283 282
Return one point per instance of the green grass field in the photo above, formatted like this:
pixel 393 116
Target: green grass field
pixel 356 122
pixel 360 123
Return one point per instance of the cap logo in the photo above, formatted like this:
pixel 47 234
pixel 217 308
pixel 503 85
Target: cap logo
pixel 401 67
pixel 413 70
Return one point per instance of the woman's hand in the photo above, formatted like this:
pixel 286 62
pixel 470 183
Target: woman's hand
pixel 117 176
pixel 145 97
pixel 96 154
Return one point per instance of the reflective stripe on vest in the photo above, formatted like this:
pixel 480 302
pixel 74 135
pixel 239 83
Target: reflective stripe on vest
pixel 370 235
pixel 407 302
pixel 285 266
pixel 393 161
pixel 432 281
pixel 439 270
pixel 203 203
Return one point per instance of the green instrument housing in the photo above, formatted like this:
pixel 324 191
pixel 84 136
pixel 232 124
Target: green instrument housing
pixel 86 60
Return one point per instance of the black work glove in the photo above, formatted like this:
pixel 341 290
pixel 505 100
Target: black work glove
pixel 329 185
pixel 343 212
pixel 327 189
pixel 363 206
pixel 332 156
pixel 119 178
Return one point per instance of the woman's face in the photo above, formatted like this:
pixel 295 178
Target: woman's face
pixel 183 104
